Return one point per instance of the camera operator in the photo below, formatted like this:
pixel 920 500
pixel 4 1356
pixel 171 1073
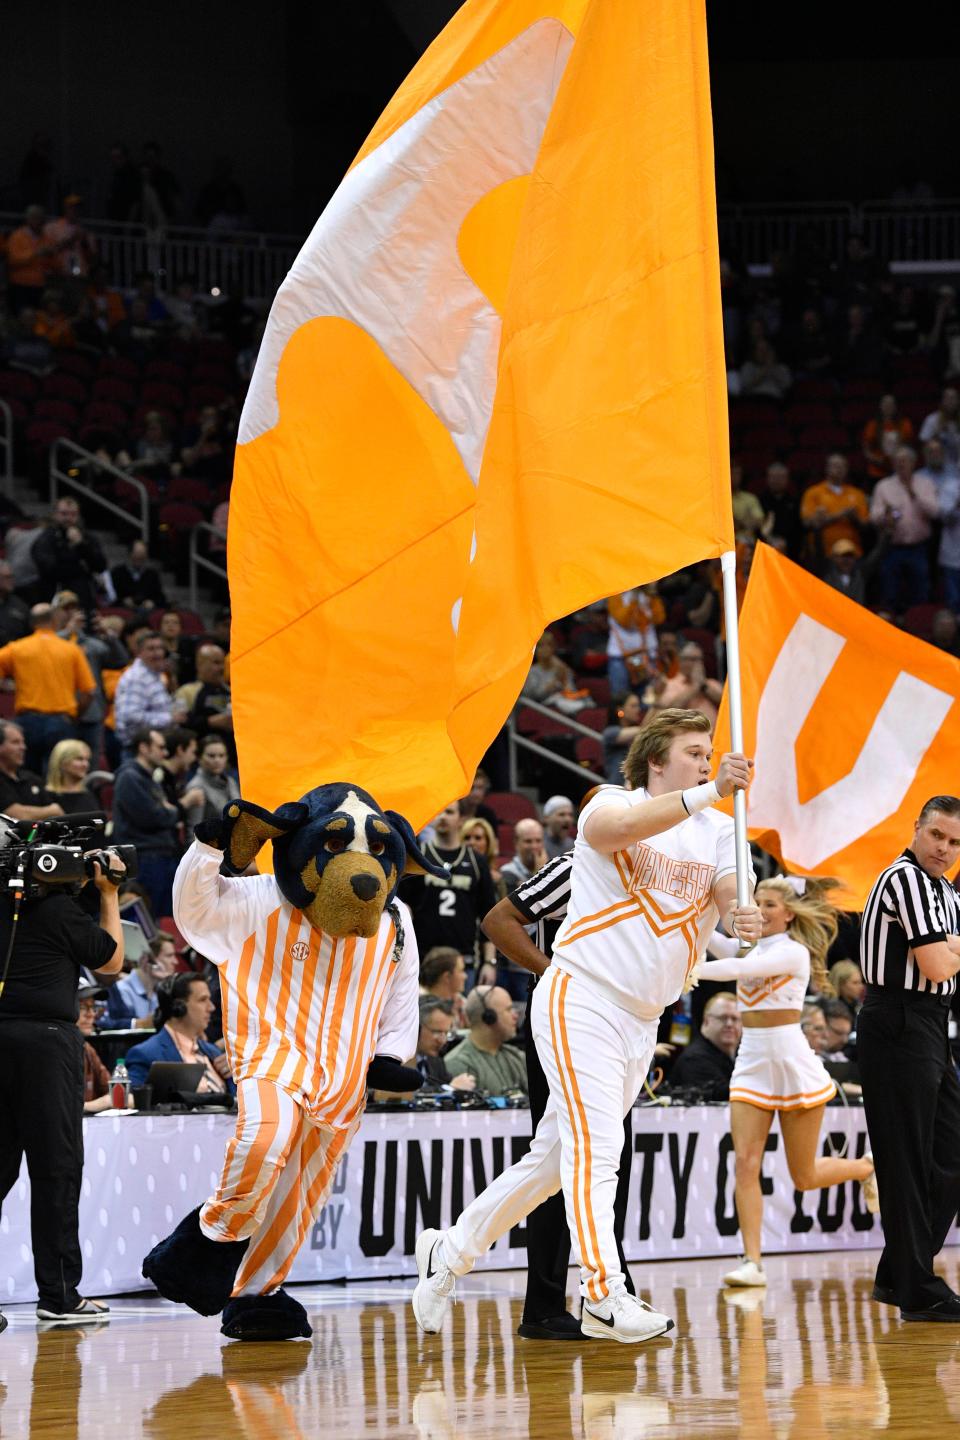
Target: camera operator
pixel 41 1071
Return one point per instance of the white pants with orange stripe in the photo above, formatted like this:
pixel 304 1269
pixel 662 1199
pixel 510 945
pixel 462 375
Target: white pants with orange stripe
pixel 595 1057
pixel 277 1174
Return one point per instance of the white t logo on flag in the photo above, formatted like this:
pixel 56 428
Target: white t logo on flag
pixel 886 765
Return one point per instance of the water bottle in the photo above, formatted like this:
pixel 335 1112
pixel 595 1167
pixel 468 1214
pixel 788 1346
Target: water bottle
pixel 681 1024
pixel 119 1085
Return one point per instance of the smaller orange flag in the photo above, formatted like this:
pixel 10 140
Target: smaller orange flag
pixel 852 724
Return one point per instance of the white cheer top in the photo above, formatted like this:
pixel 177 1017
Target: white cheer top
pixel 772 976
pixel 638 920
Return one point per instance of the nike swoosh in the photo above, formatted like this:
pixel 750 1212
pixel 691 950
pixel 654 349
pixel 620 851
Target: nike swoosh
pixel 430 1269
pixel 603 1321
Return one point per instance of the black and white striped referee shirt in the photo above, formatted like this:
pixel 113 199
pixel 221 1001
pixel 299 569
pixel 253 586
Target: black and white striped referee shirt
pixel 544 898
pixel 906 908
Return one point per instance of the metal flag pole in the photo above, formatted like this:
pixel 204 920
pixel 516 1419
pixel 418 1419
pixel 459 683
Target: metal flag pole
pixel 728 563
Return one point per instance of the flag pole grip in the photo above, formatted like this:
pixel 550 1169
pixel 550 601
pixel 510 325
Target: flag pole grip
pixel 728 564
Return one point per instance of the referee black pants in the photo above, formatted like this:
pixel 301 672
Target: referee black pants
pixel 41 1116
pixel 548 1236
pixel 911 1097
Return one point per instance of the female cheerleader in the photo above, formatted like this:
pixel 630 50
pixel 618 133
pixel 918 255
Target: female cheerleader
pixel 775 1069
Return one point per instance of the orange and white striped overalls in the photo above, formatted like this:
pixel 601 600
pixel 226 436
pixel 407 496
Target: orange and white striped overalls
pixel 303 1013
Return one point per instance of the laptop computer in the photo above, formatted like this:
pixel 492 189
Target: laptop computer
pixel 168 1077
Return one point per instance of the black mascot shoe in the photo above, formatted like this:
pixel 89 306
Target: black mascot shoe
pixel 194 1270
pixel 554 1327
pixel 265 1317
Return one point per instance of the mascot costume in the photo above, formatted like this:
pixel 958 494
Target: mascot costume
pixel 319 971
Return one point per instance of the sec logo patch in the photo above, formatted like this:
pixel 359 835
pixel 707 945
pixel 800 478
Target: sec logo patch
pixel 299 950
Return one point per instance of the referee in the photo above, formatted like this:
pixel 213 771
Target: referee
pixel 541 902
pixel 910 955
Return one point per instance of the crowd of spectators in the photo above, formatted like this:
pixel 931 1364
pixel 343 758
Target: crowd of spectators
pixel 845 456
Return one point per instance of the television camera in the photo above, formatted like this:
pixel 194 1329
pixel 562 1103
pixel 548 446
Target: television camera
pixel 36 855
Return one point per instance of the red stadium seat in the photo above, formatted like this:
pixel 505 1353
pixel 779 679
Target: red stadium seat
pixel 64 387
pixel 108 413
pixel 599 687
pixel 207 394
pixel 509 808
pixel 119 392
pixel 161 395
pixel 119 367
pixel 814 390
pixel 165 370
pixel 20 386
pixel 178 515
pixel 919 620
pixel 824 437
pixel 505 841
pixel 532 723
pixel 59 410
pixel 73 362
pixel 195 492
pixel 811 412
pixel 590 754
pixel 594 716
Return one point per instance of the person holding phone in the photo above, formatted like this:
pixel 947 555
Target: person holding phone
pixel 131 1002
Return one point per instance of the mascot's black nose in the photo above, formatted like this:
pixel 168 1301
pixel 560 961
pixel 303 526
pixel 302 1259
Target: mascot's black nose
pixel 364 886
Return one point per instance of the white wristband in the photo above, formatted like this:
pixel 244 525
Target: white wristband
pixel 700 797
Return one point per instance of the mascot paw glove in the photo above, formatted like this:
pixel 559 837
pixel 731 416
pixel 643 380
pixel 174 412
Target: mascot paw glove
pixel 243 829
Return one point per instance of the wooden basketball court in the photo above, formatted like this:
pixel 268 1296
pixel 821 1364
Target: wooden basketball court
pixel 812 1357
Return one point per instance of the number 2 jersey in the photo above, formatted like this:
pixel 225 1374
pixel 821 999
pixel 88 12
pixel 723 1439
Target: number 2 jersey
pixel 638 920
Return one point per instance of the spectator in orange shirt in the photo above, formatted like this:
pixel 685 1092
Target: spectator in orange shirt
pixel 53 323
pixel 834 510
pixel 632 647
pixel 883 436
pixel 53 683
pixel 28 261
pixel 106 302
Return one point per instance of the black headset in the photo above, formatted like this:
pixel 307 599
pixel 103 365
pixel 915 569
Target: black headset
pixel 172 996
pixel 488 1015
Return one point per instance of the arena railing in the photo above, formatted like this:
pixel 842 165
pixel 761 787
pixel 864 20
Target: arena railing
pixel 517 742
pixel 245 263
pixel 68 461
pixel 202 562
pixel 6 449
pixel 921 235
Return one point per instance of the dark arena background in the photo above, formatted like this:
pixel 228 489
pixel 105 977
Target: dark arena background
pixel 161 165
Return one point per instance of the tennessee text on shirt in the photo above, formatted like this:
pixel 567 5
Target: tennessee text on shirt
pixel 688 880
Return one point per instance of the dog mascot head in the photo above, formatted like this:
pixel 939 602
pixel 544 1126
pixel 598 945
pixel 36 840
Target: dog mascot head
pixel 337 856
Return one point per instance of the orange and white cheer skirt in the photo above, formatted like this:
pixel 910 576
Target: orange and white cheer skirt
pixel 775 1069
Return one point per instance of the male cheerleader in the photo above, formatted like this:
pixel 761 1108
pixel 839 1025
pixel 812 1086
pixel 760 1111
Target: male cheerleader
pixel 653 868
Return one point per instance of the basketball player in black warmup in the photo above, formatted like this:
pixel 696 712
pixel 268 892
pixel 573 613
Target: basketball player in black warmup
pixel 542 901
pixel 448 911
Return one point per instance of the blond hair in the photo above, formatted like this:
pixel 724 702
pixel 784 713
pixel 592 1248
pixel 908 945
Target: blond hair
pixel 813 921
pixel 62 753
pixel 842 971
pixel 652 744
pixel 493 848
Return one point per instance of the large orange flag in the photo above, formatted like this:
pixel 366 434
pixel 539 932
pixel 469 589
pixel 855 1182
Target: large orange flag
pixel 491 390
pixel 853 724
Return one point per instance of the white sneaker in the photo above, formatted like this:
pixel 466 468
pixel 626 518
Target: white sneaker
pixel 435 1287
pixel 748 1272
pixel 871 1193
pixel 623 1317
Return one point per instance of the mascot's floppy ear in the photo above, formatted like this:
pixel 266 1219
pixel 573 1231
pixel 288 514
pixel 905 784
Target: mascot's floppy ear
pixel 243 830
pixel 417 862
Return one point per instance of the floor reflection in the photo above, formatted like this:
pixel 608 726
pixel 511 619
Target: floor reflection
pixel 812 1357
